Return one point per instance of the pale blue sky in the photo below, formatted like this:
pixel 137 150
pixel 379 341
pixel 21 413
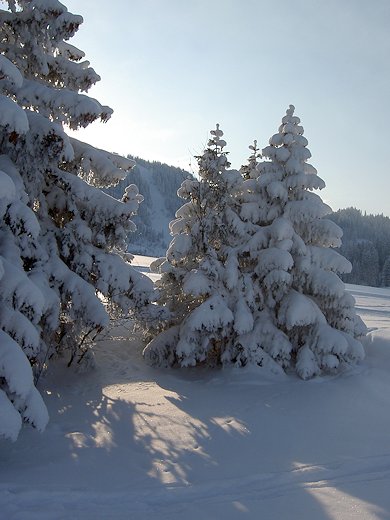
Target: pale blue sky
pixel 171 69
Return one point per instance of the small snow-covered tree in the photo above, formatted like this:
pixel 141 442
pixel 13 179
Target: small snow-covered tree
pixel 62 240
pixel 202 285
pixel 308 319
pixel 249 171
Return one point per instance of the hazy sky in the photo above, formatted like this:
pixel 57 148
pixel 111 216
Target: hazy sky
pixel 171 69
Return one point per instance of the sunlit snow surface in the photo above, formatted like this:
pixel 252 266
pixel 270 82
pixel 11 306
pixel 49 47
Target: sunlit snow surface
pixel 130 442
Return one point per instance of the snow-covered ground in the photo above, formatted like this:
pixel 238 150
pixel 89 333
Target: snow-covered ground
pixel 130 442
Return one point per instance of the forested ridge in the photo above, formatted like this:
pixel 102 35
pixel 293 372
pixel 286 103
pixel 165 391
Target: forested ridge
pixel 366 244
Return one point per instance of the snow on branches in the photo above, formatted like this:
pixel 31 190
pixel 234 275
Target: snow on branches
pixel 199 283
pixel 63 241
pixel 251 276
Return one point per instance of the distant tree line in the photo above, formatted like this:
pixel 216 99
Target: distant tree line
pixel 366 244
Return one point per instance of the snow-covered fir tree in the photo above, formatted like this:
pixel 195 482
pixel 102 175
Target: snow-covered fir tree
pixel 307 321
pixel 250 276
pixel 201 283
pixel 62 241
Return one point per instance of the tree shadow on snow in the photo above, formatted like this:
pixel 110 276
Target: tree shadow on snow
pixel 205 443
pixel 289 448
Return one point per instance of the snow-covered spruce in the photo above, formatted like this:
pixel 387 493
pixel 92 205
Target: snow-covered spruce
pixel 308 321
pixel 202 284
pixel 250 276
pixel 62 241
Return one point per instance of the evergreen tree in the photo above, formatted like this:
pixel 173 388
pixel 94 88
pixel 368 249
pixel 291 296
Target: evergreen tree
pixel 201 283
pixel 62 240
pixel 251 276
pixel 297 269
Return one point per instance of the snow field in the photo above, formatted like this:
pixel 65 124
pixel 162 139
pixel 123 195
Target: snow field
pixel 129 442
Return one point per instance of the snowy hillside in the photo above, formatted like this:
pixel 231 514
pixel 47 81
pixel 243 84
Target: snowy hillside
pixel 158 184
pixel 131 442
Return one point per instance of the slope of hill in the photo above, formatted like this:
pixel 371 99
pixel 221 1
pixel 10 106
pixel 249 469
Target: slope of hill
pixel 158 183
pixel 128 441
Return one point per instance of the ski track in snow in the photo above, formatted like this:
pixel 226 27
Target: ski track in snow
pixel 254 487
pixel 130 442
